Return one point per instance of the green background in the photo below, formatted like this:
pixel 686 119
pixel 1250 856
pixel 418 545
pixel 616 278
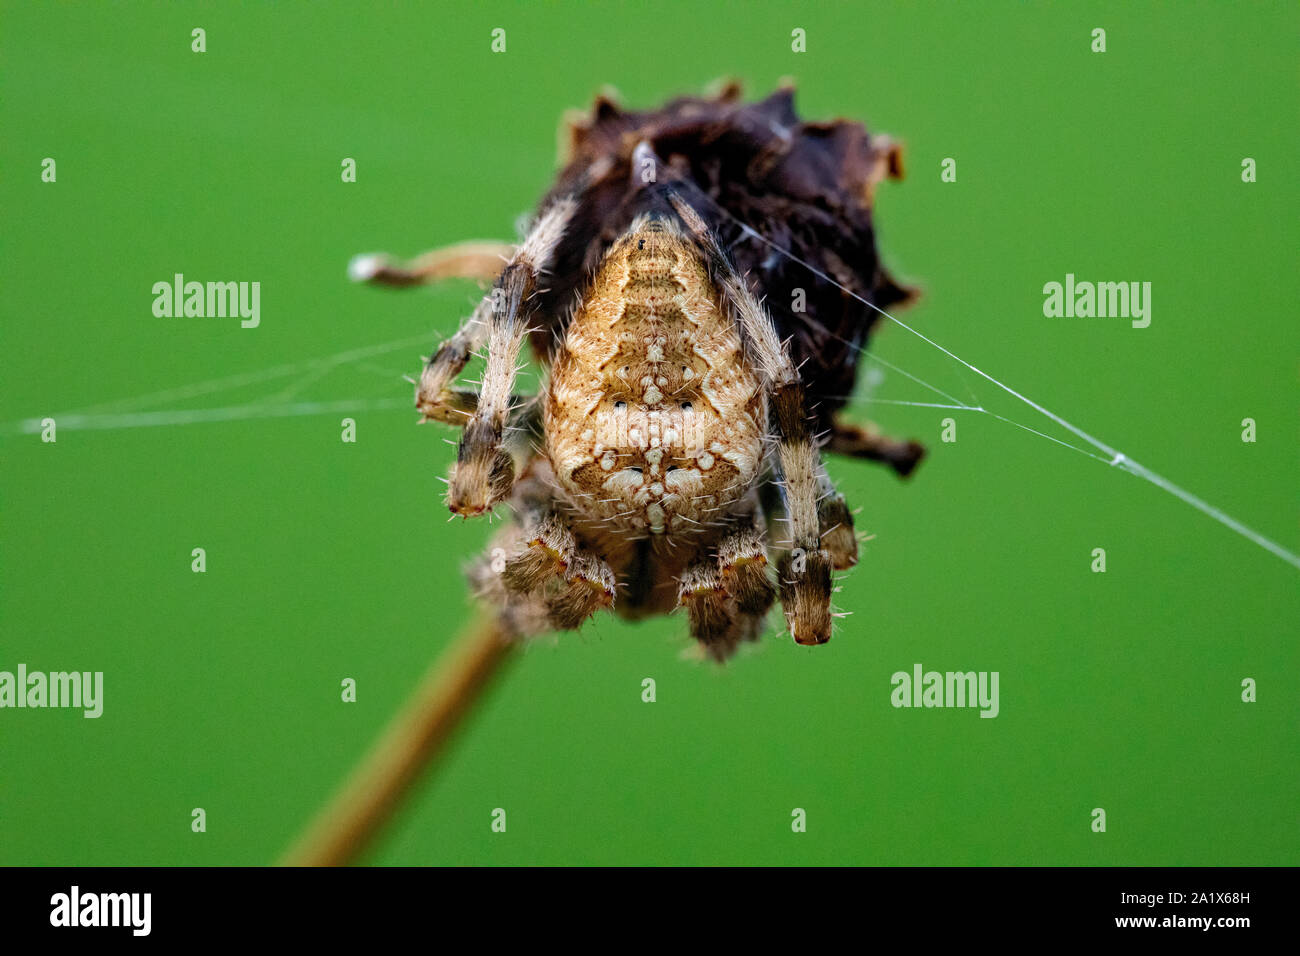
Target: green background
pixel 329 560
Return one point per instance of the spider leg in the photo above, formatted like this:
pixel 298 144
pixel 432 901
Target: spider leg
pixel 720 621
pixel 742 569
pixel 804 572
pixel 434 396
pixel 572 584
pixel 588 587
pixel 866 441
pixel 484 472
pixel 480 260
pixel 549 550
pixel 436 400
pixel 835 523
pixel 715 620
pixel 522 614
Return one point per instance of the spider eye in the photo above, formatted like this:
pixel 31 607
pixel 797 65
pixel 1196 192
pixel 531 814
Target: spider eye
pixel 686 406
pixel 619 406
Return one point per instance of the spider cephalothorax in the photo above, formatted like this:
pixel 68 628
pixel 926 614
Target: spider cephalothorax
pixel 675 450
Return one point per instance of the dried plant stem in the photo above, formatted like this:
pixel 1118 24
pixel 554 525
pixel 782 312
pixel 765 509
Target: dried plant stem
pixel 343 830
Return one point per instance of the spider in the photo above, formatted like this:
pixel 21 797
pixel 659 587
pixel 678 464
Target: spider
pixel 675 452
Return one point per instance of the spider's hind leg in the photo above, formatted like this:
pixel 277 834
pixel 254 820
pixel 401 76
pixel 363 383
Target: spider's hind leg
pixel 866 441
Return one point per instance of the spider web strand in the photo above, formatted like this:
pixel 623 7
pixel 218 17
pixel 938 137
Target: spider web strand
pixel 1114 457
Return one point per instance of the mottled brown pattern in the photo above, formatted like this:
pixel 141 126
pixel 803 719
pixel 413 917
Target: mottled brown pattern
pixel 653 419
pixel 672 460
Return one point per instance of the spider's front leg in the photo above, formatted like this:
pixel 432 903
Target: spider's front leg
pixel 435 398
pixel 485 471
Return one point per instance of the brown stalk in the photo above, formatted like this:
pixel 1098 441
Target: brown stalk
pixel 412 742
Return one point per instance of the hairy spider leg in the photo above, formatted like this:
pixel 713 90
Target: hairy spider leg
pixel 485 470
pixel 804 570
pixel 546 564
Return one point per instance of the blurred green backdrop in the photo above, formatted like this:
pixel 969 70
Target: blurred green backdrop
pixel 329 560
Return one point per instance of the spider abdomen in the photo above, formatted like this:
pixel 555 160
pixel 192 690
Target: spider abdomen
pixel 654 418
